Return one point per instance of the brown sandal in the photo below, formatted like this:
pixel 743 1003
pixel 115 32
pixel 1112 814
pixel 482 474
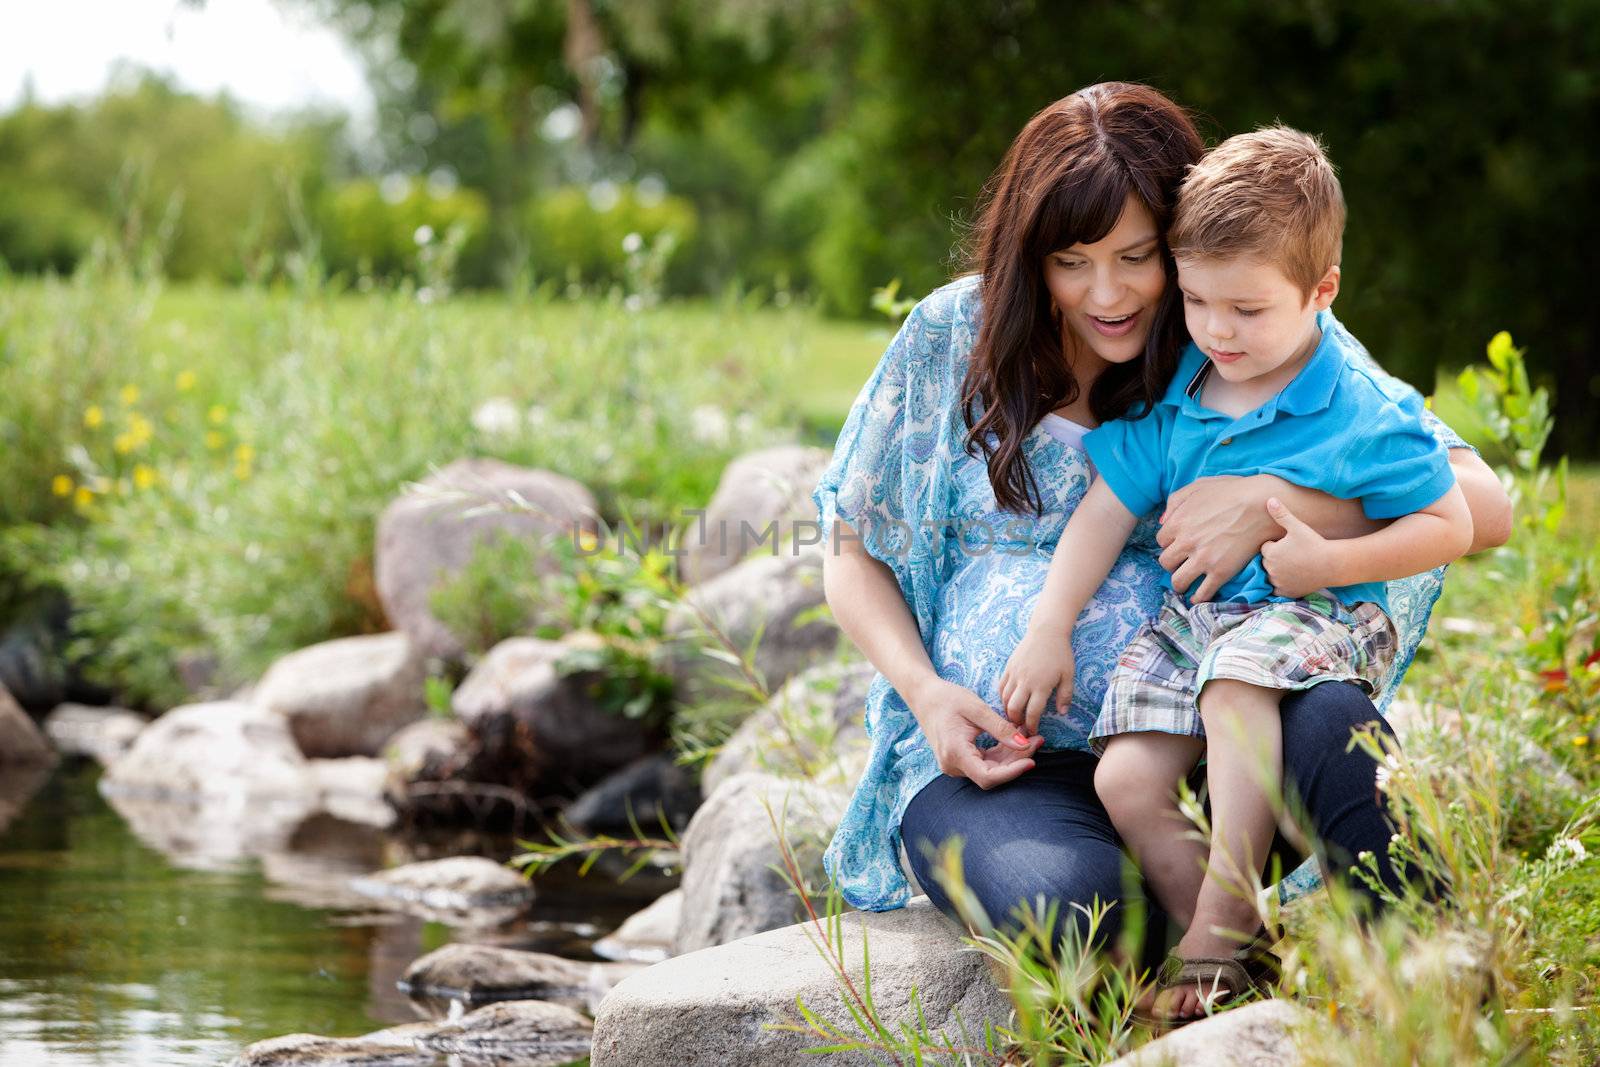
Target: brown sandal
pixel 1221 979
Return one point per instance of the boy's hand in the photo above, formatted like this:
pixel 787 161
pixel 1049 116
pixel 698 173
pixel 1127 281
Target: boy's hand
pixel 1042 664
pixel 1300 562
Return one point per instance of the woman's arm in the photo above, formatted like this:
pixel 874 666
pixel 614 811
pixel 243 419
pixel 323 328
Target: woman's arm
pixel 1214 526
pixel 870 608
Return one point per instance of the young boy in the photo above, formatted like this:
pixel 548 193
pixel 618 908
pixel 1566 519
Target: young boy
pixel 1268 386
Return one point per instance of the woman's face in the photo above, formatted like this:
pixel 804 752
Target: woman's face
pixel 1108 291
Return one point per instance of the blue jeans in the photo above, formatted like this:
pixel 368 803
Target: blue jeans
pixel 1046 833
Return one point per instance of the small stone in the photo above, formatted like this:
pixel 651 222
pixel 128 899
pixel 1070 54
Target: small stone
pixel 646 792
pixel 467 890
pixel 645 936
pixel 346 697
pixel 477 973
pixel 100 734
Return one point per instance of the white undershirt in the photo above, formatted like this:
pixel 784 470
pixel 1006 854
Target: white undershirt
pixel 1064 429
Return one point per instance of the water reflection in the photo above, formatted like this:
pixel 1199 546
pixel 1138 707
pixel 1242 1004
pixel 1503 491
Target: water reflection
pixel 162 939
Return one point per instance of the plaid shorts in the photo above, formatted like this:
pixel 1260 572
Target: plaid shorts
pixel 1291 644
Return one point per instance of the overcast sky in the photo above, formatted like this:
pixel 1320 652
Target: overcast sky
pixel 262 54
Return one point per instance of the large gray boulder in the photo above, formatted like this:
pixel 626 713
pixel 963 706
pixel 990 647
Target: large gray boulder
pixel 542 730
pixel 730 889
pixel 1255 1035
pixel 758 491
pixel 777 598
pixel 21 743
pixel 529 1033
pixel 814 726
pixel 430 534
pixel 346 697
pixel 711 1007
pixel 100 734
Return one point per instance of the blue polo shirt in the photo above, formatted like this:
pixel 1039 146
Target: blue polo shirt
pixel 1335 427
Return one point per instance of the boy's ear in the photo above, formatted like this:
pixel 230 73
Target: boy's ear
pixel 1323 293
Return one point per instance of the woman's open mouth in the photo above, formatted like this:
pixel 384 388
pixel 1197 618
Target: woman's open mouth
pixel 1114 326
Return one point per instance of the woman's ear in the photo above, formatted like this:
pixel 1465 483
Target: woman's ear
pixel 1323 293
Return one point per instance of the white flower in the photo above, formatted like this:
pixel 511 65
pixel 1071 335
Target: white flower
pixel 632 243
pixel 710 425
pixel 423 235
pixel 496 416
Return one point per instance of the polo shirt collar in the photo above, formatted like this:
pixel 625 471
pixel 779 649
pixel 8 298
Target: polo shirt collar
pixel 1310 391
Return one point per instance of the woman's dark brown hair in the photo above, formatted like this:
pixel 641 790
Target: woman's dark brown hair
pixel 1063 181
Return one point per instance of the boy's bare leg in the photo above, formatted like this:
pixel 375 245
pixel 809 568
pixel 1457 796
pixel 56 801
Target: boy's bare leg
pixel 1244 767
pixel 1137 779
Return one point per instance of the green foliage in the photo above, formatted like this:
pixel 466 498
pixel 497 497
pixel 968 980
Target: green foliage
pixel 187 543
pixel 71 175
pixel 589 238
pixel 385 230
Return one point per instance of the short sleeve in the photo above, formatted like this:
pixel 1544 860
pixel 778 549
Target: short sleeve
pixel 1130 454
pixel 879 479
pixel 1399 466
pixel 1397 390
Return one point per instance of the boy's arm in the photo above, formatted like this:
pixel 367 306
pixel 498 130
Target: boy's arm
pixel 1042 662
pixel 1303 561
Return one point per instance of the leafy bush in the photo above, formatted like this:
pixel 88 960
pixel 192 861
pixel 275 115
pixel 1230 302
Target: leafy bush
pixel 588 235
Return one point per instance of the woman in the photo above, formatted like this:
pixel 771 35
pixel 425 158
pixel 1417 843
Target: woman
pixel 952 479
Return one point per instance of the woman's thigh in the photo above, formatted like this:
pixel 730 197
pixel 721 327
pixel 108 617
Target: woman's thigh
pixel 1043 836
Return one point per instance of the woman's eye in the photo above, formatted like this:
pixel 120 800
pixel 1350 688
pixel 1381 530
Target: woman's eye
pixel 1136 260
pixel 1068 264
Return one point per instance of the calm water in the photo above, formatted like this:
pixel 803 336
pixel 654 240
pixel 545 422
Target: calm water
pixel 161 948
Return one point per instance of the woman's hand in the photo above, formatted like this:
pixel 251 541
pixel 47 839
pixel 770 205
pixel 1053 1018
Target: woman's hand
pixel 1214 526
pixel 1041 665
pixel 952 717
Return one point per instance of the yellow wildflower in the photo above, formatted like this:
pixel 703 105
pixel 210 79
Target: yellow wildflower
pixel 186 380
pixel 215 440
pixel 218 414
pixel 1581 740
pixel 93 416
pixel 139 428
pixel 588 541
pixel 244 454
pixel 84 496
pixel 61 485
pixel 241 471
pixel 124 444
pixel 129 394
pixel 143 477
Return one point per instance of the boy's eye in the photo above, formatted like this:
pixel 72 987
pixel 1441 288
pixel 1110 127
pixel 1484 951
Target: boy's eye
pixel 1249 312
pixel 1196 301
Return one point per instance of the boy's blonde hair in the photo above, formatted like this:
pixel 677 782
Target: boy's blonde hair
pixel 1271 194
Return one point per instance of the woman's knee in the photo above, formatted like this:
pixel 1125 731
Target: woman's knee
pixel 1321 720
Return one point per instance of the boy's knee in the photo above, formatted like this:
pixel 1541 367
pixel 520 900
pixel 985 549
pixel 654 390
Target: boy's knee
pixel 1123 782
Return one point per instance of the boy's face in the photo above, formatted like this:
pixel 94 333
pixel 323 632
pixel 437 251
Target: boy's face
pixel 1248 318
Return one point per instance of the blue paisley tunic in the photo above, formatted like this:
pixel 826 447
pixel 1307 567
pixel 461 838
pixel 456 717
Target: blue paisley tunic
pixel 970 571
